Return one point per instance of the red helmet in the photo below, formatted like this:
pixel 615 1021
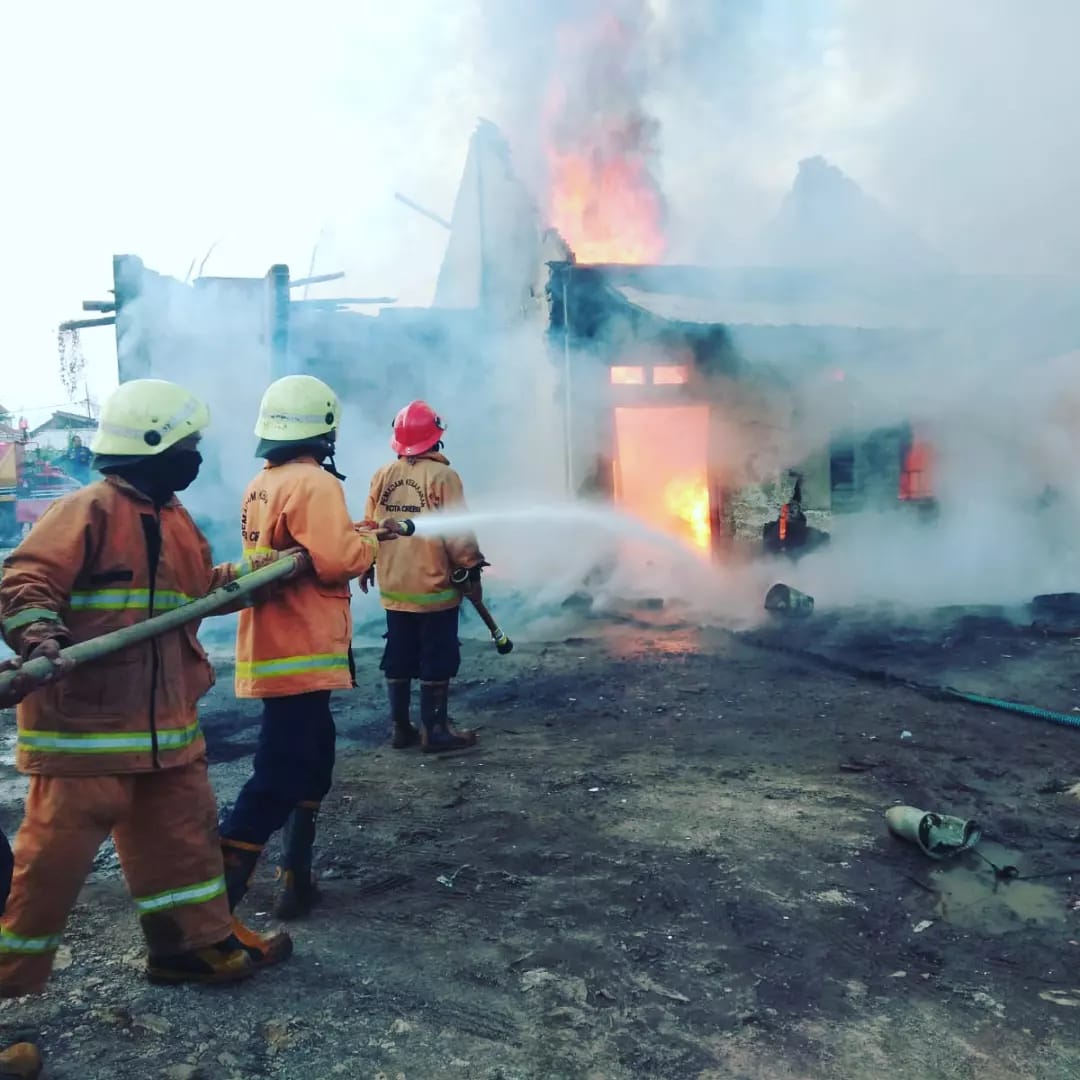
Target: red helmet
pixel 417 428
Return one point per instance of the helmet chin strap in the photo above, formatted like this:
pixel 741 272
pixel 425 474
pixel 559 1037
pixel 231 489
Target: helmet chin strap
pixel 328 463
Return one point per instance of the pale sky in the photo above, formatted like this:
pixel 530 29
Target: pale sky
pixel 252 125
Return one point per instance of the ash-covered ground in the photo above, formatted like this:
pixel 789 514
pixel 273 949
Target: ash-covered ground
pixel 667 859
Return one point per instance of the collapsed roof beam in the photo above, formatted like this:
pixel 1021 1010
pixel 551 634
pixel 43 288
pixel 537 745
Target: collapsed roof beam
pixel 318 279
pixel 337 300
pixel 422 211
pixel 83 324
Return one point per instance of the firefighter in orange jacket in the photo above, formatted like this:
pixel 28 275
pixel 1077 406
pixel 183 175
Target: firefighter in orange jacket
pixel 115 747
pixel 295 649
pixel 421 581
pixel 22 1059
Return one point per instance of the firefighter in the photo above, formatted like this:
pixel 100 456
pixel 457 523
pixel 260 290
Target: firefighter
pixel 21 1060
pixel 295 649
pixel 115 747
pixel 421 581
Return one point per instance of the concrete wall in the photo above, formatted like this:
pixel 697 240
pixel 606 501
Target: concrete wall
pixel 865 473
pixel 215 338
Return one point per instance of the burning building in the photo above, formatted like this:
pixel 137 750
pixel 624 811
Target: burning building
pixel 727 407
pixel 697 398
pixel 689 416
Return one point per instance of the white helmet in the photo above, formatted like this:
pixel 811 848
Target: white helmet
pixel 297 408
pixel 144 417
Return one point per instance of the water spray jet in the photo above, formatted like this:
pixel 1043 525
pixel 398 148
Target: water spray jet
pixel 603 519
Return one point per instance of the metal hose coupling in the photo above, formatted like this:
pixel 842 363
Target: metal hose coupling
pixel 465 576
pixel 407 526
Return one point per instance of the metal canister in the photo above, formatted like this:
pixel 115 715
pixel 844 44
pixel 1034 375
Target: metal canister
pixel 784 600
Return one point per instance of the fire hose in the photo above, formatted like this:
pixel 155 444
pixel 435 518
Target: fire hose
pixel 462 580
pixel 1034 711
pixel 42 668
pixel 503 644
pixel 928 690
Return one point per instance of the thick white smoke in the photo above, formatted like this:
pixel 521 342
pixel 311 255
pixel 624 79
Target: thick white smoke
pixel 953 118
pixel 956 120
pixel 956 116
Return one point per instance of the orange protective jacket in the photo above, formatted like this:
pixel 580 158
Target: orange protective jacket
pixel 100 559
pixel 414 571
pixel 299 640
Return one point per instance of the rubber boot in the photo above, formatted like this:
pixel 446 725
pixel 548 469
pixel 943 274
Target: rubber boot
pixel 225 962
pixel 298 891
pixel 240 861
pixel 438 736
pixel 264 950
pixel 399 691
pixel 21 1060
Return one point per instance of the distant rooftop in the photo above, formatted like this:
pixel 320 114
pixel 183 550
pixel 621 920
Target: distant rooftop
pixel 66 421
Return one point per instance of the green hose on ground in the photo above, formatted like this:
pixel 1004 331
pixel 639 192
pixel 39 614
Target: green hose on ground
pixel 926 689
pixel 1065 719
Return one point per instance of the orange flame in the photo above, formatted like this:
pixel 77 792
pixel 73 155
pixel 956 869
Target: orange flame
pixel 917 472
pixel 660 469
pixel 688 501
pixel 607 210
pixel 599 143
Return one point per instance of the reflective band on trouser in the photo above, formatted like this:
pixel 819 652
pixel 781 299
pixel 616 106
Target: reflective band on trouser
pixel 420 598
pixel 113 742
pixel 290 665
pixel 33 946
pixel 185 894
pixel 28 616
pixel 127 600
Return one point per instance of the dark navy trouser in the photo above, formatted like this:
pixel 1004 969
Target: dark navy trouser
pixel 422 645
pixel 294 764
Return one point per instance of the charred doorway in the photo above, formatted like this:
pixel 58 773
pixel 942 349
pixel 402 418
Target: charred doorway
pixel 660 471
pixel 660 444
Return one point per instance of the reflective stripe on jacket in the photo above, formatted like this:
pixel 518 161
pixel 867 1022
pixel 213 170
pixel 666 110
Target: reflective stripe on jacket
pixel 414 572
pixel 299 639
pixel 100 559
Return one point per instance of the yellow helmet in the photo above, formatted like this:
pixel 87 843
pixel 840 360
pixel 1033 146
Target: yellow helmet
pixel 296 408
pixel 144 417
